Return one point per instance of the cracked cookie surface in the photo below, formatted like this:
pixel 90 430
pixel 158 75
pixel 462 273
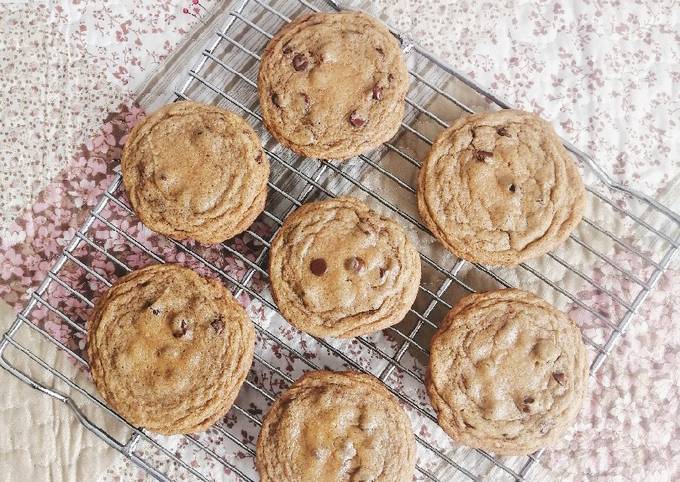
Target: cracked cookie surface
pixel 339 269
pixel 169 349
pixel 195 171
pixel 336 427
pixel 500 188
pixel 332 85
pixel 507 372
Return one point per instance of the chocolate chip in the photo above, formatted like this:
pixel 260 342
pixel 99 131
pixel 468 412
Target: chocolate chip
pixel 482 155
pixel 179 329
pixel 560 377
pixel 155 311
pixel 502 131
pixel 260 158
pixel 356 120
pixel 529 400
pixel 355 264
pixel 380 50
pixel 390 77
pixel 512 188
pixel 526 409
pixel 287 50
pixel 305 97
pixel 218 325
pixel 318 266
pixel 382 272
pixel 276 99
pixel 299 62
pixel 377 93
pixel 164 177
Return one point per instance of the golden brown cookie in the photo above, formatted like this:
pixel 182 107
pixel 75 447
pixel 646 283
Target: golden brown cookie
pixel 332 85
pixel 499 188
pixel 507 373
pixel 336 427
pixel 195 171
pixel 339 269
pixel 169 349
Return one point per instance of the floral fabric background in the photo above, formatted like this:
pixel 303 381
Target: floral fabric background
pixel 606 73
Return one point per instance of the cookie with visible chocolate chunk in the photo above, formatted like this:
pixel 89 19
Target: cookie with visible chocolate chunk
pixel 195 171
pixel 339 269
pixel 169 349
pixel 507 372
pixel 332 85
pixel 335 427
pixel 499 188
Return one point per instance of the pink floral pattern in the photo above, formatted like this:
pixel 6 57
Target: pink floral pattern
pixel 85 59
pixel 603 71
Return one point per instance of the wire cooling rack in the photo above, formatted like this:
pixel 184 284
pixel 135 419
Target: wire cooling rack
pixel 601 275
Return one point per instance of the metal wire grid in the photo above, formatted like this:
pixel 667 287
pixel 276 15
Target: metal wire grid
pixel 226 74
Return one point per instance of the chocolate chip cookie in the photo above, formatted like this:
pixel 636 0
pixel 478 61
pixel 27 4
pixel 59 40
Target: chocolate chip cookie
pixel 339 269
pixel 332 85
pixel 507 372
pixel 195 171
pixel 336 427
pixel 499 188
pixel 169 349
